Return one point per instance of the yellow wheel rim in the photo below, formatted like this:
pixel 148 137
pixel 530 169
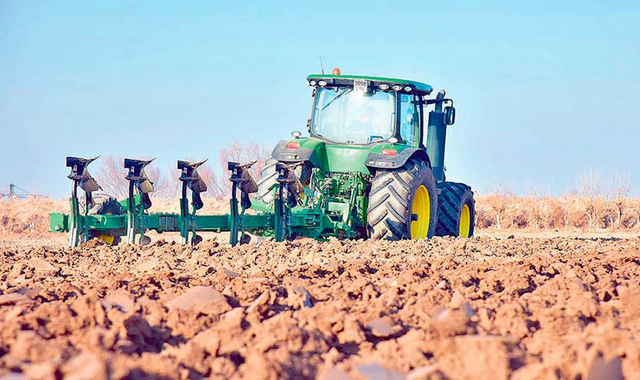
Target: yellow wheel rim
pixel 465 222
pixel 422 208
pixel 107 238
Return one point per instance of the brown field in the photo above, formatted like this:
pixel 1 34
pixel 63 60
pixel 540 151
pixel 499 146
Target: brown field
pixel 557 302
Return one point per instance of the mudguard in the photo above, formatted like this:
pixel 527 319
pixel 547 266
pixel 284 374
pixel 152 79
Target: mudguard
pixel 283 154
pixel 381 161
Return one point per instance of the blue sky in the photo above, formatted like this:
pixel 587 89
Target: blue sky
pixel 543 90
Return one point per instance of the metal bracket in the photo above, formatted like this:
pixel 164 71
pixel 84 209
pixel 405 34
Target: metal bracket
pixel 240 180
pixel 139 181
pixel 190 179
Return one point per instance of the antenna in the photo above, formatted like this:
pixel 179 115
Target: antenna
pixel 321 66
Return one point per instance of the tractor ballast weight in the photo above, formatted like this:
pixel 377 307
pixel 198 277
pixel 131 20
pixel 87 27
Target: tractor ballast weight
pixel 372 167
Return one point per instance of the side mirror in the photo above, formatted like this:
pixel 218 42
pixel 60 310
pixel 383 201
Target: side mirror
pixel 449 115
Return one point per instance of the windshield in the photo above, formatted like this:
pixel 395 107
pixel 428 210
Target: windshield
pixel 345 116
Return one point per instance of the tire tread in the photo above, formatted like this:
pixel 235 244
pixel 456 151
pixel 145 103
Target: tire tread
pixel 451 199
pixel 390 197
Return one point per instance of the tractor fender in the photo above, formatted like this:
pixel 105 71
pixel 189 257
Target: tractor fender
pixel 283 154
pixel 381 161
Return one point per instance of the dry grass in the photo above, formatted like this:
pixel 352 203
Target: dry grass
pixel 29 215
pixel 565 212
pixel 493 211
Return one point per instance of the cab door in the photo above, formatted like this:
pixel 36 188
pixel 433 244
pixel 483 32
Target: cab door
pixel 409 122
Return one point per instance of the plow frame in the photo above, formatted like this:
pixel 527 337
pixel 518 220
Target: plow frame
pixel 312 213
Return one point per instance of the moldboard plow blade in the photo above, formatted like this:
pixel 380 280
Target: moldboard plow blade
pixel 191 180
pixel 81 178
pixel 138 183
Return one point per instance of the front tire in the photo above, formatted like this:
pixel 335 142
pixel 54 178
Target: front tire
pixel 456 210
pixel 403 203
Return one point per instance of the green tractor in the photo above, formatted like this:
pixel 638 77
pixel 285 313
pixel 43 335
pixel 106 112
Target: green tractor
pixel 372 167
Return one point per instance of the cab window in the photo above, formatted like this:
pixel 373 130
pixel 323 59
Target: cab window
pixel 409 119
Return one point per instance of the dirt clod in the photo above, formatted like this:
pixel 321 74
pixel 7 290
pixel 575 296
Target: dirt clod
pixel 482 308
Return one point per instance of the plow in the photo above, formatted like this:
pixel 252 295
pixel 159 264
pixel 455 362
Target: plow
pixel 371 167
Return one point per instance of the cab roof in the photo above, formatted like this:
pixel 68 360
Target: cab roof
pixel 331 79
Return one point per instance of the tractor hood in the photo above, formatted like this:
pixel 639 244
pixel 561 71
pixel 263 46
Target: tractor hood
pixel 331 157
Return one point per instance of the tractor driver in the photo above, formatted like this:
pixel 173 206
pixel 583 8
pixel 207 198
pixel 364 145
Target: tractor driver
pixel 364 128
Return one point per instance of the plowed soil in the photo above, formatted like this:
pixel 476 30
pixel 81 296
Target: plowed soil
pixel 482 308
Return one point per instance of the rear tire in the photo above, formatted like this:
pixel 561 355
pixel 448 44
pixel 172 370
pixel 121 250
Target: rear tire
pixel 396 196
pixel 268 178
pixel 456 210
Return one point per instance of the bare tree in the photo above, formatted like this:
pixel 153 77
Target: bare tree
pixel 214 186
pixel 111 177
pixel 535 208
pixel 558 212
pixel 243 153
pixel 164 185
pixel 619 194
pixel 591 191
pixel 111 173
pixel 498 204
pixel 496 197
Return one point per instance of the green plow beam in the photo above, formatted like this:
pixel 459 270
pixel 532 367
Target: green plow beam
pixel 293 214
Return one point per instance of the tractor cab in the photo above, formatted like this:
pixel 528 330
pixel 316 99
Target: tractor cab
pixel 352 109
pixel 365 111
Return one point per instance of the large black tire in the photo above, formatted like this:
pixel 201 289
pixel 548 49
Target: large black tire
pixel 452 200
pixel 391 201
pixel 268 178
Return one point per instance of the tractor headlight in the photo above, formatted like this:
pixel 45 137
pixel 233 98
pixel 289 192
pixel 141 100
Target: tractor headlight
pixel 322 83
pixel 312 83
pixel 383 87
pixel 408 89
pixel 396 87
